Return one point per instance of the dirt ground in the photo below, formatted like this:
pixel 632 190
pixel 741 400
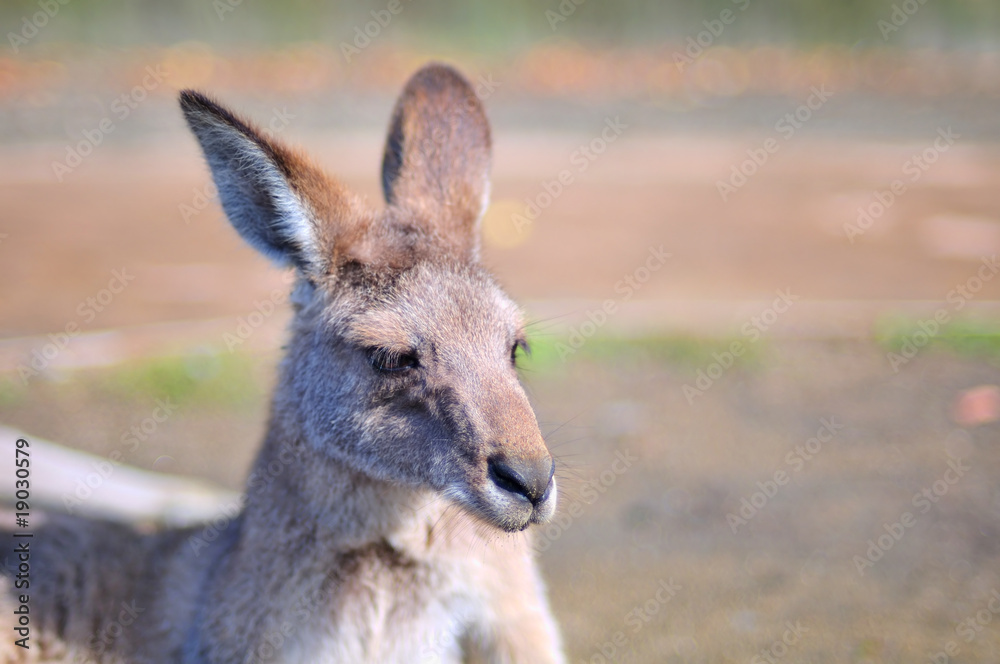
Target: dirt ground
pixel 660 566
pixel 647 561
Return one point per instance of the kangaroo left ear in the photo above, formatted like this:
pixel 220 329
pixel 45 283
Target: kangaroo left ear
pixel 280 202
pixel 437 156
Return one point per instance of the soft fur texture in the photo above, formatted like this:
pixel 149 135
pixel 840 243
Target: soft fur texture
pixel 386 515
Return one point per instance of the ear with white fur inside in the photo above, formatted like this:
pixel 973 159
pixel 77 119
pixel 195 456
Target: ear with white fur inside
pixel 255 179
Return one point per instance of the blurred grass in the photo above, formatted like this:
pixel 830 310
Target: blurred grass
pixel 491 26
pixel 966 337
pixel 210 379
pixel 230 381
pixel 683 352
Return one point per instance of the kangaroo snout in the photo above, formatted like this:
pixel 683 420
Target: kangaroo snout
pixel 530 480
pixel 520 485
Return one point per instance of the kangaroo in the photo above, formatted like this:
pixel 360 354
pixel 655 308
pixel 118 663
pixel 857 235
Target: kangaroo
pixel 387 515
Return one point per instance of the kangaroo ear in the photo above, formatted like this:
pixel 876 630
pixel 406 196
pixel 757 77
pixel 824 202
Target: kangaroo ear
pixel 280 202
pixel 437 156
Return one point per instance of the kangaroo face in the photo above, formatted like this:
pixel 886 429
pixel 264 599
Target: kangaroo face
pixel 419 385
pixel 402 362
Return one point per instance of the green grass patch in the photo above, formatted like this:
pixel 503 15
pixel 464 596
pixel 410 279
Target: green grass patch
pixel 210 379
pixel 681 351
pixel 12 391
pixel 977 338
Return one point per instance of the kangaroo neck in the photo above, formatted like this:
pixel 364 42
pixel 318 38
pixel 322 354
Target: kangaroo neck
pixel 296 491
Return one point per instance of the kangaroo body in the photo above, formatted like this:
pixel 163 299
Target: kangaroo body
pixel 386 515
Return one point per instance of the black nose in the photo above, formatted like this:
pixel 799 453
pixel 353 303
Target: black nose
pixel 532 480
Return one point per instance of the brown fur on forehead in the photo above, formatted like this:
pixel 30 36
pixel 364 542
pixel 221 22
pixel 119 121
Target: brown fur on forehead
pixel 423 302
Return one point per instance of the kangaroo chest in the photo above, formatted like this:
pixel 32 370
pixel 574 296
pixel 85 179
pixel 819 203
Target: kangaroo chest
pixel 381 607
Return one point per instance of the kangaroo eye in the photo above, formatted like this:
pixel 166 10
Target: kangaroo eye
pixel 384 360
pixel 523 346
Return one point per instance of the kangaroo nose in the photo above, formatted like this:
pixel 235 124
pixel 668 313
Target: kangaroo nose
pixel 531 480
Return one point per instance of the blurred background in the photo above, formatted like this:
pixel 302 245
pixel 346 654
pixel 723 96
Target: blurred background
pixel 759 240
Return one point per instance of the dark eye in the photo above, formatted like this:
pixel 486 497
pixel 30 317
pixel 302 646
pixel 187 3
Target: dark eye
pixel 523 346
pixel 385 360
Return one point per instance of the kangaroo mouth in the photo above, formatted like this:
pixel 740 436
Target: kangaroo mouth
pixel 508 510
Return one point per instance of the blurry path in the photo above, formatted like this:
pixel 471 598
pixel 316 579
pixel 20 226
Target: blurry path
pixel 646 195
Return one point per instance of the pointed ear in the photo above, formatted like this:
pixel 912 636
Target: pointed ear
pixel 278 200
pixel 437 156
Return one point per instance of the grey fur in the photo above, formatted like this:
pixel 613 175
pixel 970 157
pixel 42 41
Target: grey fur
pixel 386 515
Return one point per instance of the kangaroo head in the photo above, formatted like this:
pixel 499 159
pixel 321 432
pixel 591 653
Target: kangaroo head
pixel 402 362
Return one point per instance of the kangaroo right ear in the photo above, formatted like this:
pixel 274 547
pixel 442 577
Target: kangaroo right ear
pixel 277 200
pixel 437 156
